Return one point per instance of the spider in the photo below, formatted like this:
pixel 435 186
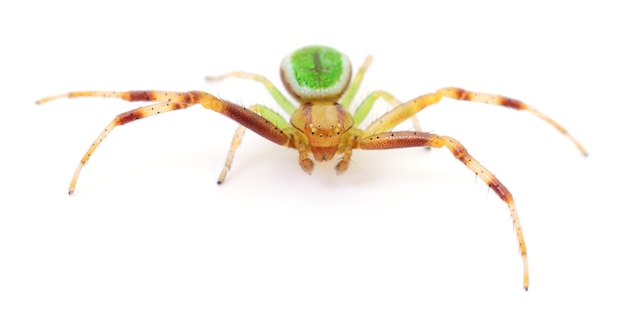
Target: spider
pixel 320 79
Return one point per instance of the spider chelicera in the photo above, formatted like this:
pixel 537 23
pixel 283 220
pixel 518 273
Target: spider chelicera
pixel 319 78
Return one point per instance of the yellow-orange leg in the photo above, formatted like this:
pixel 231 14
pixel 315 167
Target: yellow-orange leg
pixel 412 107
pixel 241 130
pixel 169 101
pixel 366 106
pixel 391 140
pixel 123 119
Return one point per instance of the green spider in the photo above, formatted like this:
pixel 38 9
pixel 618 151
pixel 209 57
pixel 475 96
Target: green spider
pixel 319 78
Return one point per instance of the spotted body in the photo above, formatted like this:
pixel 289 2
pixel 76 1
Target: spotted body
pixel 319 78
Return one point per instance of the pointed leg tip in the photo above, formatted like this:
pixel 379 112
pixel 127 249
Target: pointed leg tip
pixel 51 98
pixel 222 176
pixel 44 100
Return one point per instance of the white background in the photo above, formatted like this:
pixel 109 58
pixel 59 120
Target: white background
pixel 403 230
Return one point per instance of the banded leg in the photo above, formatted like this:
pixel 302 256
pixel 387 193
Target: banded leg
pixel 412 107
pixel 170 101
pixel 120 120
pixel 391 140
pixel 460 94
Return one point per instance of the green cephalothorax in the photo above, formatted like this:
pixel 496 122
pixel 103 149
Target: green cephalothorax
pixel 316 73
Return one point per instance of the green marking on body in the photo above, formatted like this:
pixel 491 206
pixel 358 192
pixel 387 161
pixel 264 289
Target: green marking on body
pixel 317 67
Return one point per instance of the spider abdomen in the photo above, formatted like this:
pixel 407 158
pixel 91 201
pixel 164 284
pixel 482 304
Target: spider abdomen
pixel 316 73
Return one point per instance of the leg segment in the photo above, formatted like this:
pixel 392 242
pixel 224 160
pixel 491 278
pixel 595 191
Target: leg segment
pixel 170 101
pixel 460 94
pixel 412 107
pixel 241 130
pixel 276 94
pixel 348 96
pixel 120 120
pixel 268 114
pixel 402 139
pixel 366 106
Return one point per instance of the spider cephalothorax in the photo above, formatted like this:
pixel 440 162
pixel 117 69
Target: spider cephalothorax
pixel 319 78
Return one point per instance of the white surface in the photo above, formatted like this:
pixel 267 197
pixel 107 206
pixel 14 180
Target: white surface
pixel 148 228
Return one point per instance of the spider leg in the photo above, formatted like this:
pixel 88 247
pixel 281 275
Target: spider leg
pixel 267 113
pixel 366 106
pixel 391 140
pixel 354 86
pixel 412 107
pixel 271 88
pixel 120 120
pixel 237 137
pixel 460 94
pixel 169 101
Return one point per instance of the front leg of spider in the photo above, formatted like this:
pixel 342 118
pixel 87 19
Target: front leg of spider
pixel 170 101
pixel 376 136
pixel 390 140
